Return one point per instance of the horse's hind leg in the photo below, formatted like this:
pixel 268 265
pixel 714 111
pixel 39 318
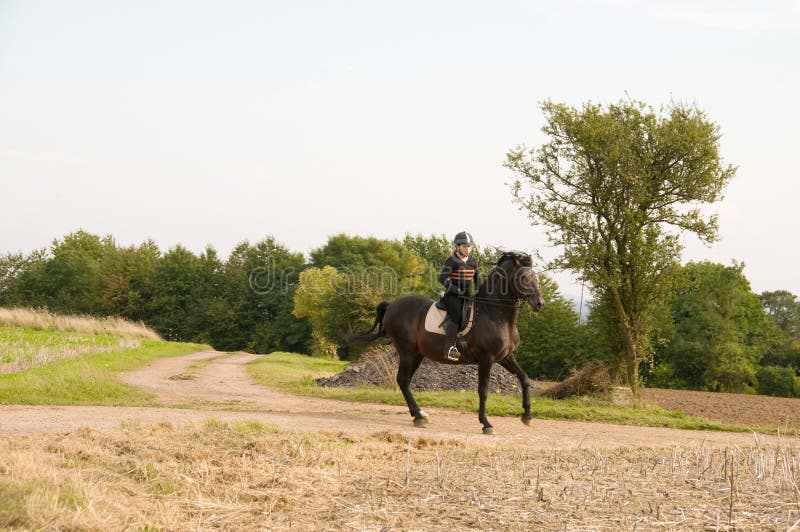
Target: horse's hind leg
pixel 511 364
pixel 407 366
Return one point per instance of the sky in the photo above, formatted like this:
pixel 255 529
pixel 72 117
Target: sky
pixel 200 123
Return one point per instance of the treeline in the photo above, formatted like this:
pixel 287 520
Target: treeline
pixel 714 334
pixel 182 295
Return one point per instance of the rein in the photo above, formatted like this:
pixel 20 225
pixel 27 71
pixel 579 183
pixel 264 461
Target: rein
pixel 494 302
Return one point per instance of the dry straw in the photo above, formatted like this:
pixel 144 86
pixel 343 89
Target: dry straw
pixel 384 360
pixel 249 476
pixel 592 379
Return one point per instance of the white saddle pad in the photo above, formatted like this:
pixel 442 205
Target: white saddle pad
pixel 436 316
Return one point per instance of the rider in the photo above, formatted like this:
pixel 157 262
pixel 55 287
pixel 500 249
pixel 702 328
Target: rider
pixel 459 273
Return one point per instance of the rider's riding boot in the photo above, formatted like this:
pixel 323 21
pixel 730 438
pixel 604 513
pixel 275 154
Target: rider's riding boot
pixel 450 350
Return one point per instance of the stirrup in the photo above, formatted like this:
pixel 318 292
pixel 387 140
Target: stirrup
pixel 453 354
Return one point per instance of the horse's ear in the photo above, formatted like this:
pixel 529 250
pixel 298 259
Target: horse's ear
pixel 517 263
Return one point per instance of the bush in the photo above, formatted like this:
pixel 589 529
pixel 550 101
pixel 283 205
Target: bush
pixel 662 375
pixel 777 381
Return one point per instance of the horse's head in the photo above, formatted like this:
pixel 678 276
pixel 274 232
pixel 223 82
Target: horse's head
pixel 524 284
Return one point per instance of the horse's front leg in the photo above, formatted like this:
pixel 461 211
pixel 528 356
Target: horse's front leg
pixel 484 369
pixel 511 364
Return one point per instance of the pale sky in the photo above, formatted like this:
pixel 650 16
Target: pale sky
pixel 213 122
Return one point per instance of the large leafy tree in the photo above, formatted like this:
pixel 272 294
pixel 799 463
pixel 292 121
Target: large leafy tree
pixel 721 331
pixel 211 318
pixel 322 300
pixel 384 268
pixel 260 280
pixel 433 250
pixel 367 271
pixel 12 267
pixel 615 186
pixel 22 279
pixel 784 309
pixel 175 287
pixel 73 280
pixel 128 275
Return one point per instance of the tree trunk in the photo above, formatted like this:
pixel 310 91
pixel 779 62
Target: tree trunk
pixel 629 344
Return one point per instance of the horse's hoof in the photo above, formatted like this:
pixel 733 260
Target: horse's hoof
pixel 527 419
pixel 488 430
pixel 425 417
pixel 420 422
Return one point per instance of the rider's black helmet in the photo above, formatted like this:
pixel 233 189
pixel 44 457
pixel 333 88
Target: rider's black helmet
pixel 463 238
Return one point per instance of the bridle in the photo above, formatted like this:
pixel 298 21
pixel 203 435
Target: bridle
pixel 520 295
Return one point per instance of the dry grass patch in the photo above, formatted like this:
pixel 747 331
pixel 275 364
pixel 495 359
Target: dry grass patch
pixel 592 379
pixel 251 476
pixel 46 320
pixel 30 338
pixel 22 349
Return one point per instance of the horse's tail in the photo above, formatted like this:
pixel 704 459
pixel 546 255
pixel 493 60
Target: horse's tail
pixel 371 336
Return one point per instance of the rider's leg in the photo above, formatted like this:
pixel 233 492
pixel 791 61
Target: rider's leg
pixel 451 331
pixel 452 325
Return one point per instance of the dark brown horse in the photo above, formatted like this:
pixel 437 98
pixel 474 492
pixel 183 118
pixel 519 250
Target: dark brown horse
pixel 493 337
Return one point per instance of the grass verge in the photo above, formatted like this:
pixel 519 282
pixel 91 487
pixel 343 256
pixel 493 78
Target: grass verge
pixel 22 348
pixel 89 379
pixel 296 373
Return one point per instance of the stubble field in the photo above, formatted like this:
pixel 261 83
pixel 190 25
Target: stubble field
pixel 252 476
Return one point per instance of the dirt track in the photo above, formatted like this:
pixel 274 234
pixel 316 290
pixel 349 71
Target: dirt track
pixel 222 390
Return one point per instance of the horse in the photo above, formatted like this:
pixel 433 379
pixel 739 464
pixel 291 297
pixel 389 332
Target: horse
pixel 493 337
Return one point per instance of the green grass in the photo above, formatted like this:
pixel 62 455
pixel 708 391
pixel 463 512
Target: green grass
pixel 87 378
pixel 23 348
pixel 296 373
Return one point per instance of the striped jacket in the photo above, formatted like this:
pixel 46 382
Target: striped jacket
pixel 460 275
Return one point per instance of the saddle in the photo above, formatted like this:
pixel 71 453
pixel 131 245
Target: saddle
pixel 436 316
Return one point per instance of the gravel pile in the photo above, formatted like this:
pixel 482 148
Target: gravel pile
pixel 378 367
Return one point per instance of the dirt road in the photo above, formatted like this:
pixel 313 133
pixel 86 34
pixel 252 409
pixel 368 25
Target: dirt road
pixel 223 391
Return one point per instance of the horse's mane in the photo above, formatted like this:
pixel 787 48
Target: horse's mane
pixel 524 258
